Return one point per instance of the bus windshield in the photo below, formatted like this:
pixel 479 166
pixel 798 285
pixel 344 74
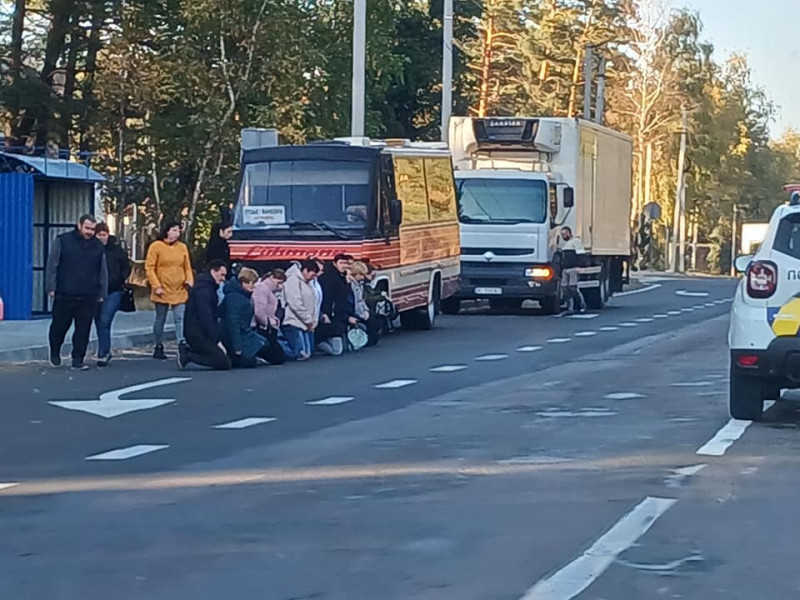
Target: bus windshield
pixel 502 201
pixel 326 196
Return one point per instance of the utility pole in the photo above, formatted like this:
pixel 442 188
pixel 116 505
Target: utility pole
pixel 678 234
pixel 447 67
pixel 588 75
pixel 600 106
pixel 358 112
pixel 734 227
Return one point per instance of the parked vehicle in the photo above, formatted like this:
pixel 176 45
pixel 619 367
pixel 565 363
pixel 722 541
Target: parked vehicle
pixel 519 182
pixel 391 203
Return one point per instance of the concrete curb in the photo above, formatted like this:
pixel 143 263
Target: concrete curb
pixel 122 341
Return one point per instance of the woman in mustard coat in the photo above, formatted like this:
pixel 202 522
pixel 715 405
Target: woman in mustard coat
pixel 169 272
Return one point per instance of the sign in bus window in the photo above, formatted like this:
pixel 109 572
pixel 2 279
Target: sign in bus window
pixel 441 194
pixel 410 185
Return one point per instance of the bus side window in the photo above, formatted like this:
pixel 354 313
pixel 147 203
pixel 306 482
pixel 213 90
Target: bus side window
pixel 387 194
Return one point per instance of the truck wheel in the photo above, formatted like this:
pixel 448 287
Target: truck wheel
pixel 594 297
pixel 551 305
pixel 746 400
pixel 451 306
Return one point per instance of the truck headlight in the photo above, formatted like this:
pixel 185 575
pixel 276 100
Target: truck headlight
pixel 539 272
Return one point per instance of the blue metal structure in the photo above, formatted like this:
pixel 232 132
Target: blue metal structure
pixel 39 199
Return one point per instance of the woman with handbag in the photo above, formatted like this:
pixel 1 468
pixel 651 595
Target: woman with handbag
pixel 269 313
pixel 119 269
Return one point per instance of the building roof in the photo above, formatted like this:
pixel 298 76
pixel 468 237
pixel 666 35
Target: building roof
pixel 51 168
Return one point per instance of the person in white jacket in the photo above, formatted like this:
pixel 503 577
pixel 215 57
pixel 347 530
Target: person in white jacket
pixel 300 319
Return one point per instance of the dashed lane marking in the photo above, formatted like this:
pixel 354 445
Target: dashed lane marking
pixel 129 452
pixel 578 575
pixel 674 313
pixel 724 438
pixel 529 348
pixel 628 324
pixel 649 288
pixel 584 334
pixel 448 368
pixel 331 401
pixel 679 476
pixel 609 328
pixel 395 384
pixel 645 320
pixel 688 294
pixel 689 384
pixel 584 316
pixel 243 423
pixel 559 340
pixel 660 316
pixel 623 396
pixel 491 357
pixel 10 484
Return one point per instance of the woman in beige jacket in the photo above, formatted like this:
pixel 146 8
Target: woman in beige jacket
pixel 300 319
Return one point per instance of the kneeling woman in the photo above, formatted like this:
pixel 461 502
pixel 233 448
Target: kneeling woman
pixel 245 346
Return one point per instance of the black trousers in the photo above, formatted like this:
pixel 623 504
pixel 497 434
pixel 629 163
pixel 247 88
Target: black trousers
pixel 270 352
pixel 67 310
pixel 206 353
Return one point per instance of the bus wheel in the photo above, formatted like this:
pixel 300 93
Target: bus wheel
pixel 423 318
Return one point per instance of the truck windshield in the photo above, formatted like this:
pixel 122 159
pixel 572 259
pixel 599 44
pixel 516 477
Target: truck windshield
pixel 322 196
pixel 502 201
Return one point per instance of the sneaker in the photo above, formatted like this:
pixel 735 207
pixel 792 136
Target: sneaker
pixel 55 359
pixel 183 356
pixel 158 353
pixel 103 361
pixel 79 365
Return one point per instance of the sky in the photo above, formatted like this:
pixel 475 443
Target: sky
pixel 765 31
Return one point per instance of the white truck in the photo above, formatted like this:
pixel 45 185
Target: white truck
pixel 519 182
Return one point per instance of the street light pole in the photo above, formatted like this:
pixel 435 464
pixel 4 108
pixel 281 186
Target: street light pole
pixel 447 67
pixel 358 112
pixel 678 260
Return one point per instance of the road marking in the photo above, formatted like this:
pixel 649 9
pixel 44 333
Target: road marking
pixel 645 320
pixel 678 476
pixel 623 396
pixel 126 453
pixel 699 306
pixel 609 328
pixel 395 383
pixel 628 324
pixel 674 313
pixel 569 414
pixel 688 294
pixel 649 288
pixel 585 334
pixel 248 422
pixel 491 357
pixel 710 304
pixel 529 348
pixel 331 401
pixel 724 439
pixel 687 310
pixel 559 340
pixel 584 317
pixel 5 486
pixel 111 405
pixel 660 316
pixel 448 368
pixel 584 570
pixel 689 384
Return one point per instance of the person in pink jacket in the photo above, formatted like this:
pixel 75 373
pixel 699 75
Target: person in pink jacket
pixel 265 301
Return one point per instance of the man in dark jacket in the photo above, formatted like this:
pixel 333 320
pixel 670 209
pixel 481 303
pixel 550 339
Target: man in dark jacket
pixel 119 269
pixel 77 279
pixel 336 313
pixel 201 322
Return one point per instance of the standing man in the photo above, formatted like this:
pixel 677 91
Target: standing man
pixel 77 279
pixel 571 247
pixel 119 269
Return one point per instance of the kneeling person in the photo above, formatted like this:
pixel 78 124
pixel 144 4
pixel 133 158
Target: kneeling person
pixel 201 324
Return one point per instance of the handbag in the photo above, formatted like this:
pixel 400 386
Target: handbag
pixel 127 304
pixel 357 338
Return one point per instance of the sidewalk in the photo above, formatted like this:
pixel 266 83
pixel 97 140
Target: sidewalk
pixel 22 341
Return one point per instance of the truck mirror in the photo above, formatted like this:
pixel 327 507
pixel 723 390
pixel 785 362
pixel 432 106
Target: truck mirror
pixel 569 197
pixel 395 212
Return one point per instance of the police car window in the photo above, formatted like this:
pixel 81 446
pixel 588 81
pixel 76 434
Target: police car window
pixel 787 239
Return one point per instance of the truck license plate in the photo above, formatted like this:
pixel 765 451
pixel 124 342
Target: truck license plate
pixel 481 291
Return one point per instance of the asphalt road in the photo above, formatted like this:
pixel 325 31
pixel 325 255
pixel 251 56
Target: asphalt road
pixel 500 456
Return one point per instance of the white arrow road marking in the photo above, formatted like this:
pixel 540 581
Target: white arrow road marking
pixel 448 368
pixel 331 401
pixel 584 570
pixel 678 476
pixel 491 357
pixel 649 288
pixel 248 422
pixel 688 294
pixel 623 396
pixel 5 486
pixel 111 405
pixel 395 383
pixel 529 348
pixel 126 453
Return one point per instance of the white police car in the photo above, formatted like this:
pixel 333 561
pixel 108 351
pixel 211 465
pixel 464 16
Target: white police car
pixel 764 335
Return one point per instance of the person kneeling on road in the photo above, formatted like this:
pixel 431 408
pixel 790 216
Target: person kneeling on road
pixel 300 319
pixel 245 346
pixel 202 329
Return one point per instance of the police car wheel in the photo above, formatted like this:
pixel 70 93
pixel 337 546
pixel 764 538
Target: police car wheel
pixel 746 400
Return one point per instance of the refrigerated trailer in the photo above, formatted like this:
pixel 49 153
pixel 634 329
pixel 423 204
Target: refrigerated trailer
pixel 519 182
